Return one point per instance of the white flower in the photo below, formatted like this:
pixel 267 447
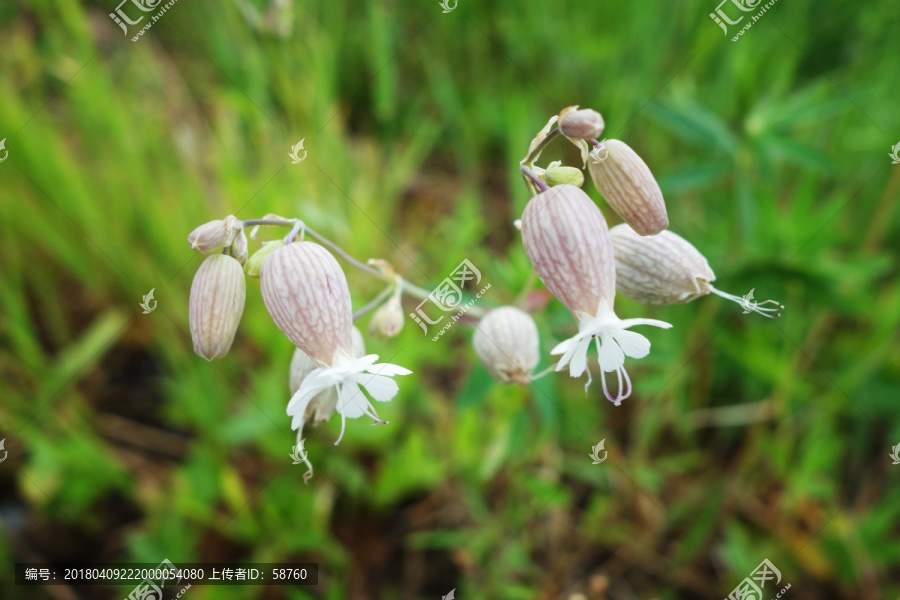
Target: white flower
pixel 568 243
pixel 348 375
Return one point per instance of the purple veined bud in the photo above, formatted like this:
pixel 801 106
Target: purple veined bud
pixel 666 269
pixel 306 294
pixel 507 342
pixel 239 248
pixel 217 302
pixel 213 235
pixel 568 243
pixel 626 183
pixel 389 317
pixel 584 124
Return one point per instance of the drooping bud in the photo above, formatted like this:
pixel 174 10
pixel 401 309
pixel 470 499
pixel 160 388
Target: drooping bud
pixel 306 293
pixel 667 269
pixel 388 318
pixel 217 302
pixel 557 174
pixel 213 235
pixel 626 183
pixel 239 248
pixel 506 340
pixel 255 262
pixel 584 124
pixel 567 240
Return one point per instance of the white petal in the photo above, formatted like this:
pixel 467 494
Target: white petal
pixel 351 401
pixel 579 358
pixel 609 355
pixel 381 388
pixel 632 344
pixel 388 369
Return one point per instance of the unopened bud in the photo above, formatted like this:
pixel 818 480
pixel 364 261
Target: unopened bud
pixel 561 175
pixel 217 302
pixel 255 262
pixel 626 183
pixel 388 318
pixel 584 124
pixel 506 340
pixel 213 235
pixel 306 293
pixel 239 248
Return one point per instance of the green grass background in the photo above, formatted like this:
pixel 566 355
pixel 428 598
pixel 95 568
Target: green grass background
pixel 772 153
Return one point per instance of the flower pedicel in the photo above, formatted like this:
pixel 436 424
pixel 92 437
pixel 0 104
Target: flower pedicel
pixel 567 241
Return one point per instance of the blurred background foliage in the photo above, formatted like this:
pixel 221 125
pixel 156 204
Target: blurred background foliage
pixel 745 439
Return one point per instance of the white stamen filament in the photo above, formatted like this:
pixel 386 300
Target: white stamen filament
pixel 751 305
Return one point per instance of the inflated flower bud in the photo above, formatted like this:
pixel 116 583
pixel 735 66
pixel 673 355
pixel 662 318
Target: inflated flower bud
pixel 255 262
pixel 388 319
pixel 217 302
pixel 567 241
pixel 666 269
pixel 626 183
pixel 215 234
pixel 506 340
pixel 560 175
pixel 584 124
pixel 239 248
pixel 306 293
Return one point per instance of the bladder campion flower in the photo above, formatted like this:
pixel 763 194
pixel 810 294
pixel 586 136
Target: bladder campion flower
pixel 306 293
pixel 667 269
pixel 567 241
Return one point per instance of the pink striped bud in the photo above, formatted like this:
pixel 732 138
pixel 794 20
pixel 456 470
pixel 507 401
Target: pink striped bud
pixel 506 340
pixel 213 235
pixel 568 243
pixel 626 183
pixel 584 124
pixel 306 293
pixel 217 303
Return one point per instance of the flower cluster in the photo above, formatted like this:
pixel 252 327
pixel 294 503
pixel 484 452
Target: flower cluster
pixel 583 263
pixel 579 259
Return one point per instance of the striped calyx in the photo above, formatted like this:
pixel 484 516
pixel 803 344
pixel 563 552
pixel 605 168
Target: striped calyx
pixel 216 305
pixel 658 269
pixel 626 183
pixel 506 340
pixel 306 293
pixel 584 124
pixel 567 241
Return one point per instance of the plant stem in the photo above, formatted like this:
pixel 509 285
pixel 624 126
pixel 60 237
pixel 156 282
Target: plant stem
pixel 532 178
